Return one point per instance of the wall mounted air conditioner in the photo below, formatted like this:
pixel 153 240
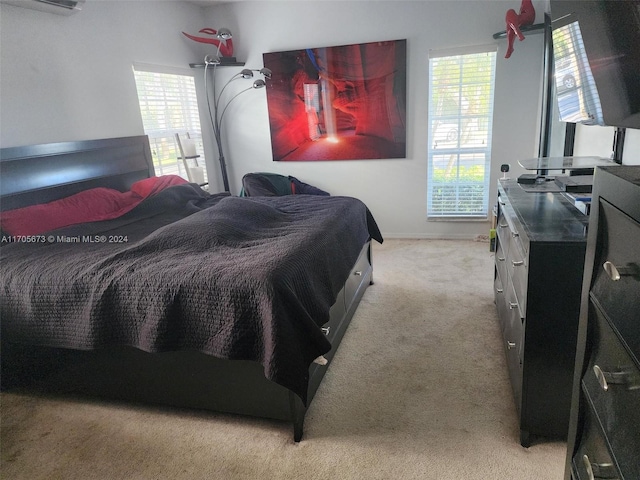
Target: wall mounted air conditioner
pixel 59 7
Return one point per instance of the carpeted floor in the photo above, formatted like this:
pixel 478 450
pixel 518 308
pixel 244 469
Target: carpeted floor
pixel 417 390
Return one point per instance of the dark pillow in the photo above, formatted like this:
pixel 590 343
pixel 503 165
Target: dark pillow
pixel 273 184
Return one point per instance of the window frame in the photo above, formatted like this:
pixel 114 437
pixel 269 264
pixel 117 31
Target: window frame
pixel 460 151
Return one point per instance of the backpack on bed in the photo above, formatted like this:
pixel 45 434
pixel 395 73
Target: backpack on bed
pixel 273 184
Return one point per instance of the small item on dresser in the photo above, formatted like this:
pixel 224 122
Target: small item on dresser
pixel 528 178
pixel 575 183
pixel 583 206
pixel 582 201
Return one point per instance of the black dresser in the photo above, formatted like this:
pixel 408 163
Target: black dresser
pixel 540 248
pixel 604 432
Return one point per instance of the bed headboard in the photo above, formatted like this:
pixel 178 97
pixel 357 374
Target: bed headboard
pixel 36 174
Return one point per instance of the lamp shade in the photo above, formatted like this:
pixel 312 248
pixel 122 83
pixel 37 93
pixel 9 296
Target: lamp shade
pixel 266 72
pixel 224 34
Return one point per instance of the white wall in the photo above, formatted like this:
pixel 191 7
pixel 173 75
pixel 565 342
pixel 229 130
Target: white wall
pixel 593 140
pixel 395 190
pixel 69 78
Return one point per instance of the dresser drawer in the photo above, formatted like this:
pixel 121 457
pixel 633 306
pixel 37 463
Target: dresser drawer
pixel 516 314
pixel 517 265
pixel 514 251
pixel 501 305
pixel 616 285
pixel 501 263
pixel 336 314
pixel 592 459
pixel 509 234
pixel 511 328
pixel 611 384
pixel 360 274
pixel 513 338
pixel 503 231
pixel 508 314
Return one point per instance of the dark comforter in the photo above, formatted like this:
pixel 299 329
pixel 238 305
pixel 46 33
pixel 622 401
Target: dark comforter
pixel 237 278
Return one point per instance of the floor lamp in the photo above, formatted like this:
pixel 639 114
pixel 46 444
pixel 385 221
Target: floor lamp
pixel 221 103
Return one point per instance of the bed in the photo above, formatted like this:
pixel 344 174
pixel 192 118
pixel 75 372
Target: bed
pixel 186 299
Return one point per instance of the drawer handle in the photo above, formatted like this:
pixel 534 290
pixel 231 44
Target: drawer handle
pixel 513 305
pixel 504 225
pixel 602 380
pixel 511 345
pixel 357 273
pixel 615 273
pixel 499 290
pixel 325 330
pixel 611 270
pixel 515 234
pixel 501 259
pixel 599 470
pixel 517 263
pixel 614 378
pixel 587 467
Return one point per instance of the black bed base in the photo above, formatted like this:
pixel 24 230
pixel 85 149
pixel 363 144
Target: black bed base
pixel 185 379
pixel 41 173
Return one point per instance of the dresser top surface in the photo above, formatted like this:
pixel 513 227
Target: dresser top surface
pixel 546 216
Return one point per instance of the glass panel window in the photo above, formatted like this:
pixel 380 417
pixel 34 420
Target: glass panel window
pixel 460 122
pixel 169 105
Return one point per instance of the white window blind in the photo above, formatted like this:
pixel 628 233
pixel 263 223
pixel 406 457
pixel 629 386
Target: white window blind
pixel 461 92
pixel 168 105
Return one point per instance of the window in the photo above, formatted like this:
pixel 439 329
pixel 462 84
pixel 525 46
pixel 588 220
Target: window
pixel 460 122
pixel 168 105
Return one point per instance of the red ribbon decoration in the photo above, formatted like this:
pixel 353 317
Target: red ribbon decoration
pixel 514 21
pixel 225 46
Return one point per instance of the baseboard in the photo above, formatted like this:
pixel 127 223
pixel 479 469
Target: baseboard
pixel 432 236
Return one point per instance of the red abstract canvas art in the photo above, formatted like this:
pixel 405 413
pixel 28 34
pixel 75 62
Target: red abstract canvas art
pixel 338 103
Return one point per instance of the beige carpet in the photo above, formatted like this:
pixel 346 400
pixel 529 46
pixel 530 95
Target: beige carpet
pixel 417 390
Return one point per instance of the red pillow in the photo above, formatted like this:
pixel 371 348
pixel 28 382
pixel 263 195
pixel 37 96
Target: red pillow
pixel 152 185
pixel 88 206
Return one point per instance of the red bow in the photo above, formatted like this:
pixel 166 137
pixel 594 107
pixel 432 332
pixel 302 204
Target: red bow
pixel 225 46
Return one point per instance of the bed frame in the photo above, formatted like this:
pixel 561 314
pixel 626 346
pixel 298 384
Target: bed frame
pixel 42 173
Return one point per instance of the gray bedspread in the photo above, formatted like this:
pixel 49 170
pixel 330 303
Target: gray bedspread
pixel 237 278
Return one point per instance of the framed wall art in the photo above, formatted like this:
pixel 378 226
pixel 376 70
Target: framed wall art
pixel 338 103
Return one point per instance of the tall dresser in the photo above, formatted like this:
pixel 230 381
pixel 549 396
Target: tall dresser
pixel 604 431
pixel 539 260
